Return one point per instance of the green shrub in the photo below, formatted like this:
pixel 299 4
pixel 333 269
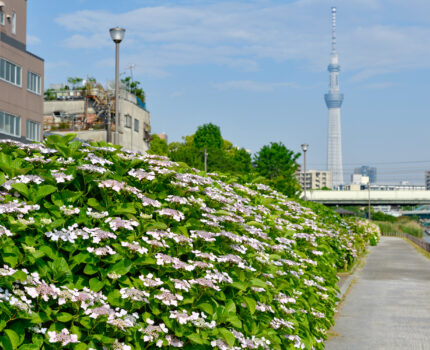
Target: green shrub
pixel 101 248
pixel 379 216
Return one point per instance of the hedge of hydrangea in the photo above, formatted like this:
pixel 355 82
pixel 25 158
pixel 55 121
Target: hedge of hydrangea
pixel 102 248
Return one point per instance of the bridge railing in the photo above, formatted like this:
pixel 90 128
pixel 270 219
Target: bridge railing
pixel 418 241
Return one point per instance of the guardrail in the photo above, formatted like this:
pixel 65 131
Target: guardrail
pixel 418 241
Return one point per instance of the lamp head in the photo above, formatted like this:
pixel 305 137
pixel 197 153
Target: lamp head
pixel 305 147
pixel 117 34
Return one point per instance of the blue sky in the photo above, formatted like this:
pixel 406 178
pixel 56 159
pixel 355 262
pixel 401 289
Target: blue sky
pixel 258 69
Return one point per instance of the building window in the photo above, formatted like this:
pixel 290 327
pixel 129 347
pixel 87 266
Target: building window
pixel 2 16
pixel 10 72
pixel 33 130
pixel 10 124
pixel 13 23
pixel 33 82
pixel 128 121
pixel 136 125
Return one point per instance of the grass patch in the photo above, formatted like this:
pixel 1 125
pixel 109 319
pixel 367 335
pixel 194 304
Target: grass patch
pixel 402 225
pixel 418 248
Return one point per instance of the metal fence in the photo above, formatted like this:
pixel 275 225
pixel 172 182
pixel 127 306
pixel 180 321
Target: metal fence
pixel 418 241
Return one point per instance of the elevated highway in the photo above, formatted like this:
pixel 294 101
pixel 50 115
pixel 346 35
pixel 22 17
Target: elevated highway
pixel 400 197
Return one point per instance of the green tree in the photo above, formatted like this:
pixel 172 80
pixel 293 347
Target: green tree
pixel 222 155
pixel 208 136
pixel 278 164
pixel 185 152
pixel 158 146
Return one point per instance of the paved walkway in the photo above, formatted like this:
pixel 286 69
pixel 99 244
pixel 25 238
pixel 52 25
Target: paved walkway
pixel 389 305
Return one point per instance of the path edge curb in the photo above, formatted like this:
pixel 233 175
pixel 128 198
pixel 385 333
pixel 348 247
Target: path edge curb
pixel 346 284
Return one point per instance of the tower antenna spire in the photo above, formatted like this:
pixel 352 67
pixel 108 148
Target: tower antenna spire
pixel 333 29
pixel 334 99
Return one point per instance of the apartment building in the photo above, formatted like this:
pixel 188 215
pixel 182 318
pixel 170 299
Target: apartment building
pixel 427 179
pixel 315 179
pixel 21 77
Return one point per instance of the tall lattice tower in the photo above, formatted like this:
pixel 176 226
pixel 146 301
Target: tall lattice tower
pixel 334 100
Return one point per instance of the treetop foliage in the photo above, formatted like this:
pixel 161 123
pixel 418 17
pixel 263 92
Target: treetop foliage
pixel 208 136
pixel 274 164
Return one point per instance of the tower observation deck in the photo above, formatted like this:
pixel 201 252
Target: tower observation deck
pixel 333 100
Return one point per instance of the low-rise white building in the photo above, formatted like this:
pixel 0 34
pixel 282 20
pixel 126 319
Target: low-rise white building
pixel 315 179
pixel 87 113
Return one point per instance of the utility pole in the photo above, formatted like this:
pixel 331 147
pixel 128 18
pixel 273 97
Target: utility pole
pixel 368 202
pixel 304 149
pixel 206 160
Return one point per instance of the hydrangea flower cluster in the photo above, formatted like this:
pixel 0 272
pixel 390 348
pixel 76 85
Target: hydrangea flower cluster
pixel 129 251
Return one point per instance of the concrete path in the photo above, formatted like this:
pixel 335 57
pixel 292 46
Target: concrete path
pixel 389 305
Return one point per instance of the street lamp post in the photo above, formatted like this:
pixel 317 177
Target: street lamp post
pixel 117 34
pixel 304 149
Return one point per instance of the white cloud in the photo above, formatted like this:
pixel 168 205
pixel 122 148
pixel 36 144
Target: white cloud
pixel 241 34
pixel 380 85
pixel 33 40
pixel 252 86
pixel 93 41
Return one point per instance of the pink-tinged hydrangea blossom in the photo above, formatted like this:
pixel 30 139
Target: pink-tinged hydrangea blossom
pixel 96 214
pixel 218 277
pixel 135 247
pixel 117 345
pixel 37 159
pixel 134 294
pixel 150 281
pixel 210 256
pixel 97 160
pixel 116 223
pixel 67 161
pixel 69 210
pixel 113 184
pixel 168 298
pixel 181 284
pixel 283 299
pixel 140 174
pixel 6 271
pixel 149 202
pixel 173 341
pixel 92 168
pixel 64 337
pixel 177 199
pixel 298 344
pixel 98 234
pixel 251 343
pixel 198 319
pixel 204 235
pixel 24 179
pixel 263 307
pixel 174 214
pixel 204 282
pixel 177 264
pixel 277 323
pixel 201 264
pixel 4 231
pixel 155 243
pixel 152 332
pixel 61 177
pixel 102 251
pixel 220 344
pixel 69 234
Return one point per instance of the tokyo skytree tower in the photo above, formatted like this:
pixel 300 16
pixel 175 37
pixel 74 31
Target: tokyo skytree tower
pixel 333 100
